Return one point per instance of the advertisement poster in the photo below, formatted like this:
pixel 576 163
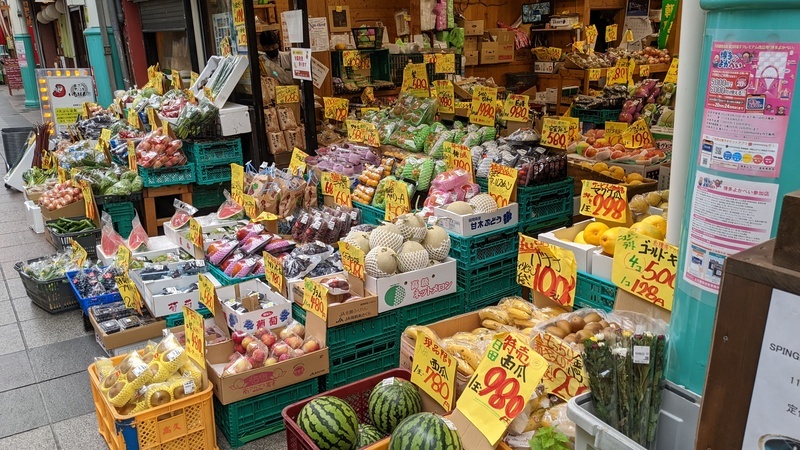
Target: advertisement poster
pixel 318 34
pixel 21 56
pixel 728 216
pixel 775 406
pixel 301 63
pixel 750 90
pixel 65 96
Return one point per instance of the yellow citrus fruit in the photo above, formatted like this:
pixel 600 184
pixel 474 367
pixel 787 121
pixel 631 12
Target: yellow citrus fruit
pixel 634 177
pixel 593 231
pixel 600 167
pixel 657 221
pixel 634 183
pixel 579 238
pixel 648 230
pixel 608 241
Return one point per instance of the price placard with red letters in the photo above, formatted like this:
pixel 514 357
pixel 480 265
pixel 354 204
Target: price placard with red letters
pixel 547 269
pixel 502 184
pixel 397 200
pixel 646 268
pixel 336 108
pixel 352 259
pixel 457 156
pixel 287 94
pixel 415 80
pixel 555 133
pixel 434 371
pixel 444 90
pixel 297 165
pixel 515 108
pixel 616 75
pixel 195 233
pixel 638 135
pixel 604 201
pixel 195 335
pixel 502 384
pixel 273 269
pixel 129 293
pixel 207 292
pixel 565 376
pixel 315 298
pixel 337 186
pixel 484 106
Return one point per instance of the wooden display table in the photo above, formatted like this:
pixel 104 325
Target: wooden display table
pixel 583 74
pixel 151 220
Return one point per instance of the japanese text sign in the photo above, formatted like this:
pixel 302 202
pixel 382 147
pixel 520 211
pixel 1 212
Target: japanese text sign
pixel 483 107
pixel 444 91
pixel 337 186
pixel 555 133
pixel 638 135
pixel 446 63
pixel 195 233
pixel 614 132
pixel 207 292
pixel 273 270
pixel 397 200
pixel 565 376
pixel 132 166
pixel 123 258
pixel 415 80
pixel 78 252
pixel 502 184
pixel 237 177
pixel 249 206
pixel 646 267
pixel 457 156
pixel 287 94
pixel 297 165
pixel 594 74
pixel 672 72
pixel 336 108
pixel 547 269
pixel 616 75
pixel 352 259
pixel 195 335
pixel 611 33
pixel 434 371
pixel 315 298
pixel 604 201
pixel 129 293
pixel 515 108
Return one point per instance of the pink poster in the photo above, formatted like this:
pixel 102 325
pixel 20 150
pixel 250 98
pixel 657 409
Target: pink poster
pixel 750 89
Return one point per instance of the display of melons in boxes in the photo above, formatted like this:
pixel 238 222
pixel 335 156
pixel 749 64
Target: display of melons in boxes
pixel 404 246
pixel 265 348
pixel 160 374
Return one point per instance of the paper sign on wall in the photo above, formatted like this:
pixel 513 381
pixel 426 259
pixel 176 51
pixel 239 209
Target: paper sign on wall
pixel 301 63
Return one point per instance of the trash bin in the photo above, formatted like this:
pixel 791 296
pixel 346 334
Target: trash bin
pixel 14 140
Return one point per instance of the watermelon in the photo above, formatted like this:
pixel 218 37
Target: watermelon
pixel 424 431
pixel 330 423
pixel 391 401
pixel 367 434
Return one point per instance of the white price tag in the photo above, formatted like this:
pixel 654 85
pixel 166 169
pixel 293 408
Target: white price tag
pixel 641 354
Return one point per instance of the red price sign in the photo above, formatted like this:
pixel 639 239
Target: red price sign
pixel 195 335
pixel 565 376
pixel 352 259
pixel 502 184
pixel 616 75
pixel 336 108
pixel 195 233
pixel 315 298
pixel 444 91
pixel 457 156
pixel 604 201
pixel 547 269
pixel 397 200
pixel 646 267
pixel 273 269
pixel 555 133
pixel 483 107
pixel 515 108
pixel 502 384
pixel 638 135
pixel 415 80
pixel 434 371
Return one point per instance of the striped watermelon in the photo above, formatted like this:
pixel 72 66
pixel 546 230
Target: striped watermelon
pixel 424 431
pixel 330 422
pixel 367 434
pixel 391 401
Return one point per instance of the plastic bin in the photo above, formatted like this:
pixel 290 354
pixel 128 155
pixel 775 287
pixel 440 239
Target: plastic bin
pixel 484 248
pixel 86 302
pixel 476 303
pixel 53 296
pixel 212 174
pixel 14 140
pixel 370 214
pixel 349 367
pixel 677 423
pixel 218 151
pixel 228 281
pixel 88 239
pixel 546 202
pixel 363 335
pixel 596 116
pixel 153 178
pixel 594 292
pixel 431 311
pixel 487 280
pixel 187 423
pixel 176 320
pixel 209 196
pixel 108 199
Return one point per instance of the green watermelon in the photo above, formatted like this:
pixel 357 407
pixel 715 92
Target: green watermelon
pixel 424 431
pixel 391 401
pixel 330 422
pixel 367 435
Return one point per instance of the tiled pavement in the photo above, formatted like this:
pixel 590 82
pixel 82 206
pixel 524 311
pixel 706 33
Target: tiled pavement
pixel 45 397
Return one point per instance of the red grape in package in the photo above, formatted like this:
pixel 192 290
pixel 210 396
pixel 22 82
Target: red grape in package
pixel 183 212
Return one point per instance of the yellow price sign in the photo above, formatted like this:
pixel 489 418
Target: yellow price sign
pixel 354 131
pixel 554 53
pixel 129 293
pixel 273 269
pixel 628 36
pixel 555 133
pixel 265 216
pixel 177 83
pixel 287 94
pixel 371 135
pixel 429 58
pixel 195 233
pixel 397 200
pixel 194 327
pixel 152 118
pixel 237 177
pixel 604 201
pixel 132 166
pixel 79 254
pixel 336 108
pixel 133 119
pixel 415 80
pixel 565 377
pixel 644 71
pixel 434 371
pixel 62 174
pixel 591 34
pixel 208 93
pixel 579 46
pixel 315 298
pixel 352 58
pixel 502 384
pixel 547 269
pixel 337 186
pixel 457 156
pixel 193 76
pixel 446 96
pixel 368 96
pixel 368 109
pixel 646 268
pixel 594 74
pixel 207 292
pixel 502 184
pixel 483 107
pixel 672 72
pixel 614 131
pixel 446 63
pixel 123 258
pixel 249 205
pixel 88 198
pixel 297 165
pixel 616 75
pixel 638 135
pixel 352 259
pixel 515 108
pixel 611 33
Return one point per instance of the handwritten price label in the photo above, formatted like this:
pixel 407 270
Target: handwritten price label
pixel 503 382
pixel 646 268
pixel 354 131
pixel 195 233
pixel 555 133
pixel 207 292
pixel 397 200
pixel 123 258
pixel 502 184
pixel 457 156
pixel 352 259
pixel 237 177
pixel 616 75
pixel 352 58
pixel 591 34
pixel 434 371
pixel 594 74
pixel 515 108
pixel 482 110
pixel 194 327
pixel 336 108
pixel 672 72
pixel 579 46
pixel 297 165
pixel 638 135
pixel 177 83
pixel 264 217
pixel 79 254
pixel 614 132
pixel 337 186
pixel 132 166
pixel 88 197
pixel 415 80
pixel 446 63
pixel 287 94
pixel 133 119
pixel 628 36
pixel 315 298
pixel 129 293
pixel 611 33
pixel 274 272
pixel 547 269
pixel 152 119
pixel 446 95
pixel 644 71
pixel 565 376
pixel 604 201
pixel 249 205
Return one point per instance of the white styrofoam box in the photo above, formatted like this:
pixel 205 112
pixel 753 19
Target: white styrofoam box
pixel 551 95
pixel 210 73
pixel 156 246
pixel 474 224
pixel 408 288
pixel 164 305
pixel 34 215
pixel 677 422
pixel 562 238
pixel 181 239
pixel 276 316
pixel 234 119
pixel 602 264
pixel 544 66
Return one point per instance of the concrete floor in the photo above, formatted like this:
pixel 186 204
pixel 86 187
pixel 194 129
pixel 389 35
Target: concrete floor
pixel 45 396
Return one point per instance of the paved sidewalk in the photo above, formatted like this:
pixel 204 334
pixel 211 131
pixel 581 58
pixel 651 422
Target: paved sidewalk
pixel 45 396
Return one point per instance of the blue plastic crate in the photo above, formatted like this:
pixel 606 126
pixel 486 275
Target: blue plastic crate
pixel 484 248
pixel 217 151
pixel 87 302
pixel 153 178
pixel 594 292
pixel 228 281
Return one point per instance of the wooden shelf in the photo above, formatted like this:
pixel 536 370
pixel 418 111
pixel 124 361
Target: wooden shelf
pixel 548 30
pixel 271 5
pixel 271 27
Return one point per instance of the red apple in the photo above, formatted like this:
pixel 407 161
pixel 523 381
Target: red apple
pixel 293 328
pixel 252 346
pixel 294 341
pixel 259 356
pixel 280 348
pixel 252 361
pixel 238 336
pixel 310 345
pixel 234 356
pixel 260 332
pixel 284 357
pixel 239 348
pixel 270 361
pixel 269 339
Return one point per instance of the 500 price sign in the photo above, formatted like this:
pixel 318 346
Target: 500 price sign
pixel 646 268
pixel 434 371
pixel 604 201
pixel 547 269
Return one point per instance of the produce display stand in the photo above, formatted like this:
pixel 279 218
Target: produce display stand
pixel 151 219
pixel 583 74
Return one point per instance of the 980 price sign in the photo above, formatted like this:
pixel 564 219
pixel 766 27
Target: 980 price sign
pixel 646 268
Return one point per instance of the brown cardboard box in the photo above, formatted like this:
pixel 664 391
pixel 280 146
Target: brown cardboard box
pixel 471 43
pixel 472 57
pixel 473 27
pixel 505 53
pixel 76 209
pixel 489 51
pixel 127 337
pixel 351 311
pixel 501 36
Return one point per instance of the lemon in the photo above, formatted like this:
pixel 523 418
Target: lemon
pixel 579 238
pixel 593 231
pixel 657 221
pixel 608 241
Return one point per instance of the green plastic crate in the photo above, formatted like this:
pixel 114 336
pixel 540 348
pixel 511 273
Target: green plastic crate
pixel 154 178
pixel 594 292
pixel 370 214
pixel 298 313
pixel 431 311
pixel 176 320
pixel 121 216
pixel 223 151
pixel 484 248
pixel 362 335
pixel 212 174
pixel 379 65
pixel 256 417
pixel 209 196
pixel 546 202
pixel 492 299
pixel 488 279
pixel 359 365
pixel 596 116
pixel 534 229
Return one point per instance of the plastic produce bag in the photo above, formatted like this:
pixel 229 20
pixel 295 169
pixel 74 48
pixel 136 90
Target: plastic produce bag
pixel 138 236
pixel 183 212
pixel 110 240
pixel 229 209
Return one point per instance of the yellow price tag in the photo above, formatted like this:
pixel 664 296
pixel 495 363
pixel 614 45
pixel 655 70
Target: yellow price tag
pixel 351 58
pixel 565 376
pixel 62 174
pixel 591 34
pixel 265 216
pixel 502 184
pixel 352 259
pixel 355 133
pixel 628 36
pixel 555 133
pixel 193 76
pixel 638 135
pixel 368 96
pixel 644 71
pixel 397 200
pixel 88 198
pixel 368 109
pixel 287 94
pixel 611 33
pixel 129 293
pixel 446 96
pixel 672 72
pixel 195 233
pixel 446 63
pixel 152 118
pixel 336 108
pixel 434 371
pixel 208 93
pixel 646 268
pixel 273 269
pixel 429 58
pixel 579 46
pixel 502 384
pixel 554 53
pixel 337 186
pixel 249 206
pixel 297 165
pixel 79 254
pixel 616 75
pixel 515 108
pixel 132 166
pixel 604 201
pixel 315 298
pixel 237 177
pixel 123 258
pixel 482 109
pixel 133 119
pixel 207 292
pixel 547 269
pixel 177 83
pixel 614 131
pixel 594 74
pixel 371 135
pixel 194 327
pixel 415 80
pixel 457 156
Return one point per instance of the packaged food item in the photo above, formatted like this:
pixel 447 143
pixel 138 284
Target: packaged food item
pixel 183 212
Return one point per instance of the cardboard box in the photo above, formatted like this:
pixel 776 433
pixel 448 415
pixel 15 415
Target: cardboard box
pixel 505 53
pixel 127 340
pixel 156 246
pixel 602 264
pixel 350 311
pixel 35 196
pixel 475 224
pixel 473 28
pixel 76 209
pixel 563 238
pixel 34 215
pixel 471 43
pixel 471 57
pixel 544 66
pixel 565 21
pixel 489 52
pixel 409 288
pixel 501 36
pixel 664 176
pixel 164 305
pixel 276 316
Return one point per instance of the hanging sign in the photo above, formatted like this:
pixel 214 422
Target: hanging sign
pixel 611 33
